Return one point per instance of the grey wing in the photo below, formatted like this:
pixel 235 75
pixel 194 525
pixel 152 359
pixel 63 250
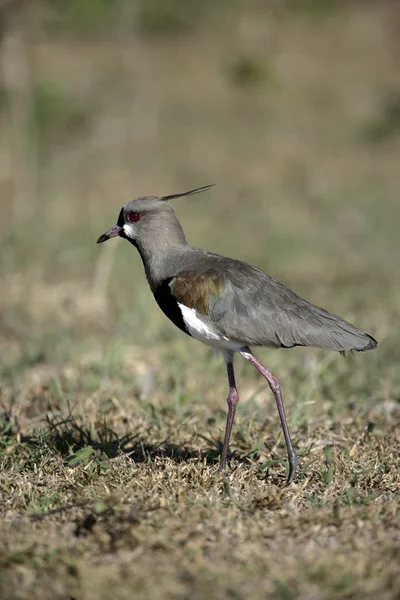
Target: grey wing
pixel 258 310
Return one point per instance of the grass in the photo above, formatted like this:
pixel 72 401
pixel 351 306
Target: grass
pixel 111 421
pixel 89 506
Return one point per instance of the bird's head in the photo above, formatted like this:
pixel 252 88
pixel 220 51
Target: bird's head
pixel 148 217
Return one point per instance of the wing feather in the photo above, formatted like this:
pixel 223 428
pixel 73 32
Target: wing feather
pixel 247 304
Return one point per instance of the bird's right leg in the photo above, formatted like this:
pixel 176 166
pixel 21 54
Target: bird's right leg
pixel 276 390
pixel 232 400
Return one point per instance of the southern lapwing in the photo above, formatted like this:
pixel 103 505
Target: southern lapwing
pixel 225 303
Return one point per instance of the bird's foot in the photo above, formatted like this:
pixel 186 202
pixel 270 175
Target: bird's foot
pixel 293 464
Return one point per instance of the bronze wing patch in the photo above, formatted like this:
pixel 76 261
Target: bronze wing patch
pixel 197 291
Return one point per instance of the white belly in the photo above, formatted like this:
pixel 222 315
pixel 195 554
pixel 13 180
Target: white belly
pixel 205 333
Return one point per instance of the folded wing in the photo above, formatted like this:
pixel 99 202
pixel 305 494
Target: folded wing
pixel 248 305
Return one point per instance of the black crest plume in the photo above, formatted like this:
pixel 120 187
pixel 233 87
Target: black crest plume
pixel 189 193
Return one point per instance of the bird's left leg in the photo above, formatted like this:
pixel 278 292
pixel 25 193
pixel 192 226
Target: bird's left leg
pixel 276 390
pixel 232 400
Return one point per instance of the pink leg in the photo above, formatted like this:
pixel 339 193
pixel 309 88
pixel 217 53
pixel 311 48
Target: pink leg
pixel 232 399
pixel 276 390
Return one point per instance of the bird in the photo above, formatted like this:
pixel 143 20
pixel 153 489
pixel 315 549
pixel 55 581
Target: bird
pixel 226 303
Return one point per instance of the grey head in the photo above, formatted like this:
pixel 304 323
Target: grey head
pixel 150 217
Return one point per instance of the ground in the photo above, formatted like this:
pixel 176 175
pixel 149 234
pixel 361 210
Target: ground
pixel 112 420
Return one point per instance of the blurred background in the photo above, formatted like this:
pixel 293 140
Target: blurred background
pixel 292 108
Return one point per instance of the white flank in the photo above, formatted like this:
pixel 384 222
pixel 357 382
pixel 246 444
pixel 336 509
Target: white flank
pixel 204 333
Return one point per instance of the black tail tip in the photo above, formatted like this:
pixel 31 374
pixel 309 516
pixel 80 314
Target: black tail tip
pixel 372 343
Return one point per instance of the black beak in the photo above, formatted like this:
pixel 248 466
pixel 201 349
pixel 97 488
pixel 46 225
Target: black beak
pixel 113 232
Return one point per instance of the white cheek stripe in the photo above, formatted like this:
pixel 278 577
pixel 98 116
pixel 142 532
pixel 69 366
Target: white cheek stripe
pixel 128 231
pixel 202 332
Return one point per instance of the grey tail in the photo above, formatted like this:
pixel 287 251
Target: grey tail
pixel 324 330
pixel 351 340
pixel 371 344
pixel 329 331
pixel 189 193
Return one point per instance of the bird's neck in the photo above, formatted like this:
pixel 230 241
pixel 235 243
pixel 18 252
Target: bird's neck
pixel 162 260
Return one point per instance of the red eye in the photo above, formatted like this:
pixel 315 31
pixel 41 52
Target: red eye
pixel 133 217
